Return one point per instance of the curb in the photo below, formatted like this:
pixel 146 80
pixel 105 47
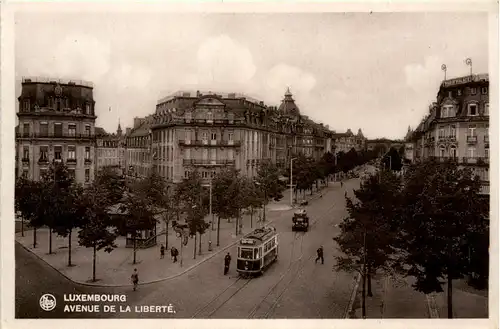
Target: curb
pixel 353 297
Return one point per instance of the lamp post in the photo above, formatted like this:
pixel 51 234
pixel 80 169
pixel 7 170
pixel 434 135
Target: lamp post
pixel 291 181
pixel 212 219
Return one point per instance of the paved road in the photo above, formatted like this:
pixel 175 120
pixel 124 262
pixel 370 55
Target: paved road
pixel 294 287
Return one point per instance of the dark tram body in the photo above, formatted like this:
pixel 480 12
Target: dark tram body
pixel 256 251
pixel 300 220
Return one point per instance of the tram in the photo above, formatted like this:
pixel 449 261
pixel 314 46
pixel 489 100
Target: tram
pixel 256 251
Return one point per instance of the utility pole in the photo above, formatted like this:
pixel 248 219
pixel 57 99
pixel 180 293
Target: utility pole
pixel 291 181
pixel 212 219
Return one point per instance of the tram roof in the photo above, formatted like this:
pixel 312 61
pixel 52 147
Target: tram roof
pixel 261 233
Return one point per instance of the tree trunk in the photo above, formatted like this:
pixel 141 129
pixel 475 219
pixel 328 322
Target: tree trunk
pixel 236 225
pixel 199 246
pixel 363 295
pixel 218 229
pixel 22 226
pixel 194 247
pixel 50 240
pixel 93 264
pixel 34 237
pixel 69 247
pixel 450 296
pixel 369 281
pixel 135 247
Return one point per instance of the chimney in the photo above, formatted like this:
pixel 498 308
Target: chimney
pixel 127 131
pixel 137 122
pixel 198 94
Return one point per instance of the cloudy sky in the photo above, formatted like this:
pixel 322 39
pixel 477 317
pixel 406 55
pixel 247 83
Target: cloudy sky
pixel 377 72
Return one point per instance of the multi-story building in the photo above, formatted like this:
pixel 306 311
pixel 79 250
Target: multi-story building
pixel 56 124
pixel 457 126
pixel 110 149
pixel 344 142
pixel 209 131
pixel 138 148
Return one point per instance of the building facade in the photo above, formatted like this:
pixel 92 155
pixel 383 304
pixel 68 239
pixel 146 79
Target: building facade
pixel 457 126
pixel 344 142
pixel 208 131
pixel 56 124
pixel 110 149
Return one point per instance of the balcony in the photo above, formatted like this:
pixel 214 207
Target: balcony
pixel 197 143
pixel 71 161
pixel 207 162
pixel 450 138
pixel 43 161
pixel 54 136
pixel 88 161
pixel 25 160
pixel 471 139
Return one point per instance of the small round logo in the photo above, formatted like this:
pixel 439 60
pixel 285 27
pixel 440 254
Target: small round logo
pixel 47 302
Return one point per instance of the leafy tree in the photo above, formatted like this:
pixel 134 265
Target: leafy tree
pixel 367 235
pixel 190 195
pixel 268 181
pixel 96 232
pixel 392 160
pixel 28 196
pixel 441 214
pixel 112 184
pixel 56 200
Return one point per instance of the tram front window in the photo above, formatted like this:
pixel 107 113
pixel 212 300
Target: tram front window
pixel 246 253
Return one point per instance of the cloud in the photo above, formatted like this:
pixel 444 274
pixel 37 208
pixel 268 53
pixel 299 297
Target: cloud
pixel 426 76
pixel 282 75
pixel 223 61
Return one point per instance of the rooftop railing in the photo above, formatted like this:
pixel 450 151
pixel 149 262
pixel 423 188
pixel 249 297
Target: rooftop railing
pixel 38 79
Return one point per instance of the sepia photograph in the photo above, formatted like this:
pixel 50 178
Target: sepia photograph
pixel 253 165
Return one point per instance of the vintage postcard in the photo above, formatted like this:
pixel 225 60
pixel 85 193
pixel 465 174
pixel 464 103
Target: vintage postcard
pixel 215 161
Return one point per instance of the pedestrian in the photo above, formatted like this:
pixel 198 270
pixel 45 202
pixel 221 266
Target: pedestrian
pixel 174 253
pixel 227 262
pixel 341 184
pixel 320 255
pixel 135 279
pixel 162 252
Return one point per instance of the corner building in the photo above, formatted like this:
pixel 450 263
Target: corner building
pixel 208 131
pixel 457 126
pixel 56 124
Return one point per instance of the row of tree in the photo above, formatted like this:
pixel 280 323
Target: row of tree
pixel 431 224
pixel 60 204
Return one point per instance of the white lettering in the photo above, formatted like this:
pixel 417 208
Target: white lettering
pixel 126 309
pixel 94 298
pixel 81 308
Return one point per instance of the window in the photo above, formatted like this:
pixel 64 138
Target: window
pixel 58 152
pixel 71 152
pixel 188 153
pixel 26 152
pixel 44 129
pixel 459 92
pixel 473 109
pixel 471 152
pixel 487 109
pixel 44 150
pixel 484 90
pixel 453 131
pixel 25 173
pixel 230 154
pixel 486 152
pixel 472 131
pixel 87 108
pixel 58 131
pixel 26 129
pixel 442 151
pixel 210 116
pixel 473 91
pixel 450 94
pixel 204 136
pixel 453 152
pixel 43 172
pixel 72 173
pixel 213 154
pixel 87 175
pixel 448 111
pixel 186 174
pixel 72 129
pixel 441 132
pixel 87 130
pixel 246 253
pixel 87 153
pixel 214 136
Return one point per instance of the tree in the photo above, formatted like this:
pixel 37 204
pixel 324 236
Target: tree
pixel 442 212
pixel 28 195
pixel 112 184
pixel 190 196
pixel 96 232
pixel 392 160
pixel 268 181
pixel 367 235
pixel 56 200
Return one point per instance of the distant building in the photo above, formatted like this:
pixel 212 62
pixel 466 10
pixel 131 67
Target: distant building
pixel 56 124
pixel 344 142
pixel 457 126
pixel 110 149
pixel 209 131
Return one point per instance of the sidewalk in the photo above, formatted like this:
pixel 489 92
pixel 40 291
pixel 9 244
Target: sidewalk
pixel 396 298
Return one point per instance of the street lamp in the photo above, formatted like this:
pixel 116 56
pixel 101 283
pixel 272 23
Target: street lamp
pixel 263 203
pixel 291 181
pixel 212 218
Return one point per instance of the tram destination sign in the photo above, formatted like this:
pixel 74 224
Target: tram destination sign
pixel 247 241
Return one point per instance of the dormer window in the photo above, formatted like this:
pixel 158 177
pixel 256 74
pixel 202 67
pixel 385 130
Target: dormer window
pixel 473 91
pixel 210 116
pixel 87 109
pixel 459 92
pixel 487 109
pixel 450 94
pixel 447 111
pixel 473 110
pixel 26 105
pixel 484 90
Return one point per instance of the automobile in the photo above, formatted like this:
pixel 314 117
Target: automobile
pixel 300 220
pixel 303 202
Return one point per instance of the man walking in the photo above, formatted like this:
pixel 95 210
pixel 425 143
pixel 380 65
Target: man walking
pixel 320 255
pixel 174 253
pixel 227 261
pixel 135 279
pixel 162 252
